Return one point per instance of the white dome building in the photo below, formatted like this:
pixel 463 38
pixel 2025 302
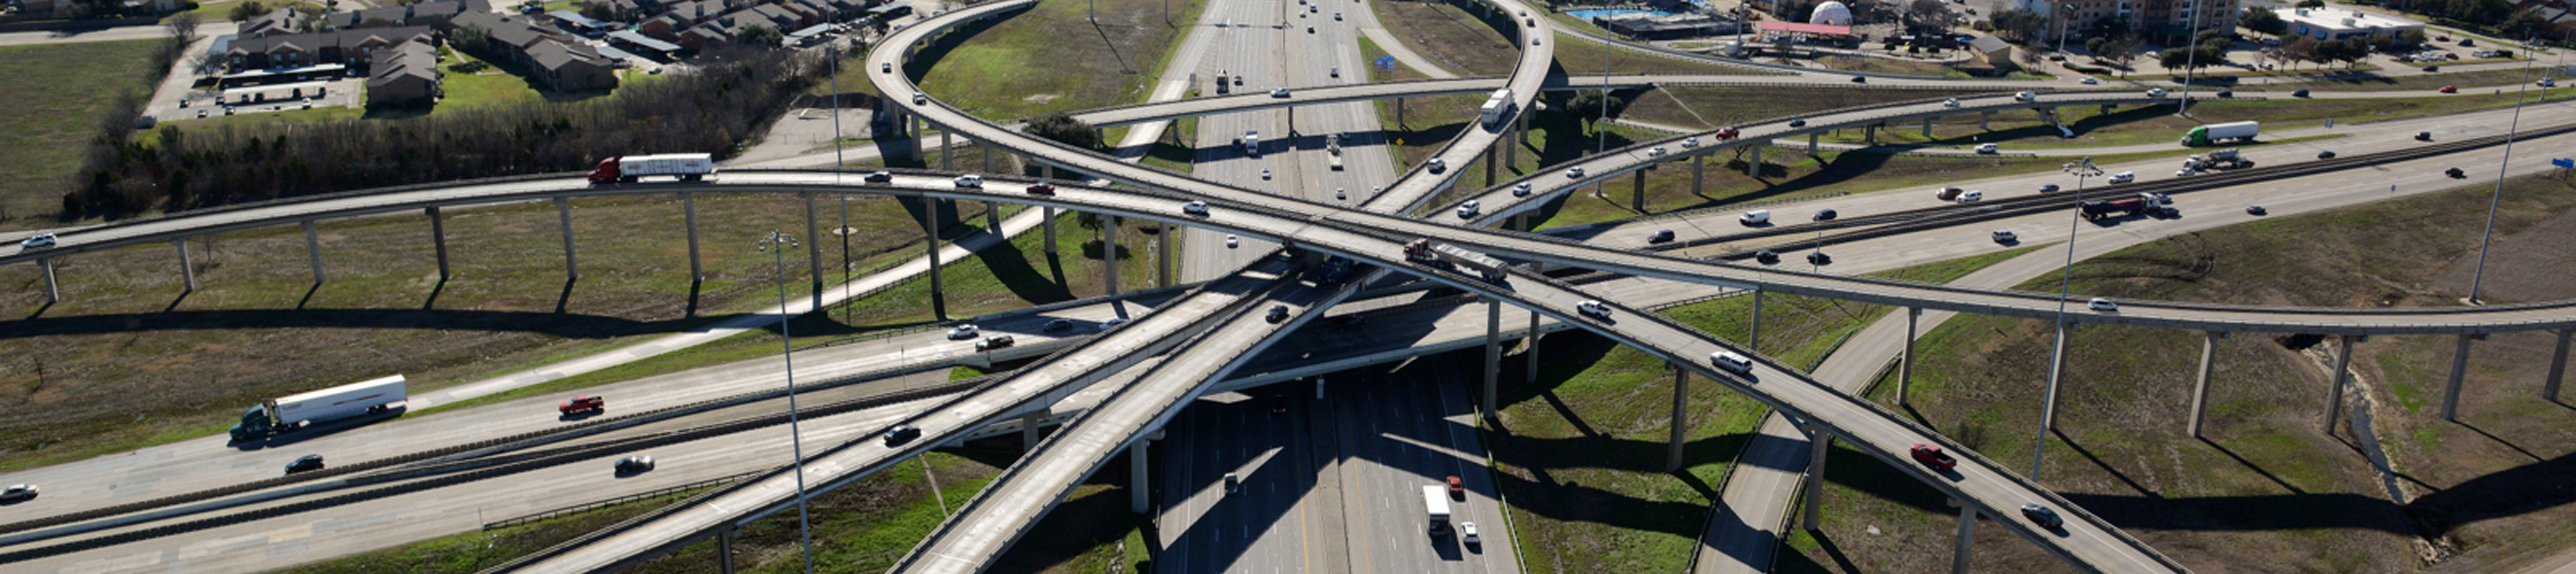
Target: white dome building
pixel 1831 14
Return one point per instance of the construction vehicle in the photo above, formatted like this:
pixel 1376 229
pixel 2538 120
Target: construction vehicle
pixel 1429 252
pixel 2216 160
pixel 298 410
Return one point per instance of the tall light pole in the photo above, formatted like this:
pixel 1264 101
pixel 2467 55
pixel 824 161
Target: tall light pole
pixel 2084 171
pixel 2478 279
pixel 1601 127
pixel 834 51
pixel 2190 58
pixel 777 245
pixel 2065 17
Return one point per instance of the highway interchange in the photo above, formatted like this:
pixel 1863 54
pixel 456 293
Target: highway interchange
pixel 1677 343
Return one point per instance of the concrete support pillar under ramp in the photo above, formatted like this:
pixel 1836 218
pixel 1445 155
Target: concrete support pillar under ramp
pixel 313 245
pixel 1517 138
pixel 947 152
pixel 689 213
pixel 2200 385
pixel 572 263
pixel 1493 353
pixel 1869 133
pixel 1905 360
pixel 1753 165
pixel 930 224
pixel 1983 119
pixel 1811 144
pixel 1109 253
pixel 187 269
pixel 1927 128
pixel 438 240
pixel 1681 418
pixel 1529 350
pixel 1489 167
pixel 1637 195
pixel 993 216
pixel 1817 443
pixel 724 551
pixel 1753 340
pixel 1029 429
pixel 2557 367
pixel 1136 483
pixel 1048 172
pixel 2342 370
pixel 2048 401
pixel 2459 372
pixel 53 290
pixel 1966 540
pixel 814 250
pixel 1163 241
pixel 1399 113
pixel 1699 163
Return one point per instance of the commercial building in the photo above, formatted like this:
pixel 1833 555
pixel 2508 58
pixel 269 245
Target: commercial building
pixel 2165 19
pixel 2341 23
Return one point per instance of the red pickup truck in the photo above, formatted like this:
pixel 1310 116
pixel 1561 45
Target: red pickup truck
pixel 589 403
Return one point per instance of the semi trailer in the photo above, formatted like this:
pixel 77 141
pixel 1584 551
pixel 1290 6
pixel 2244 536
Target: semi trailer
pixel 1497 107
pixel 2213 133
pixel 1427 251
pixel 295 411
pixel 628 168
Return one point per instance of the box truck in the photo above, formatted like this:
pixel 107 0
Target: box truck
pixel 628 168
pixel 1497 107
pixel 2214 133
pixel 1437 502
pixel 290 412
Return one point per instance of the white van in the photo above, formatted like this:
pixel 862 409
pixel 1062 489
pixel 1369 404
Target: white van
pixel 1756 217
pixel 2124 177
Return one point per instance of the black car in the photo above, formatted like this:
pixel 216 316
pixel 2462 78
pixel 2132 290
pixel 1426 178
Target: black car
pixel 1860 79
pixel 1766 257
pixel 2299 94
pixel 2327 154
pixel 309 463
pixel 1660 236
pixel 1798 123
pixel 880 177
pixel 2455 173
pixel 901 434
pixel 2042 515
pixel 1058 325
pixel 2256 210
pixel 1825 215
pixel 634 464
pixel 2048 188
pixel 2424 136
pixel 1819 258
pixel 2227 93
pixel 1277 312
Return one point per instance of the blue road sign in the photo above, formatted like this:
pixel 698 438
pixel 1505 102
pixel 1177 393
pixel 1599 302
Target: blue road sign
pixel 1386 62
pixel 2564 163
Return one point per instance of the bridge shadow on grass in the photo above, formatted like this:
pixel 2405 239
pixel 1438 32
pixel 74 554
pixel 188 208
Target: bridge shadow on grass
pixel 1011 266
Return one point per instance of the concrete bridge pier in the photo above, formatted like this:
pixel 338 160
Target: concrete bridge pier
pixel 1818 442
pixel 947 152
pixel 1048 171
pixel 1753 341
pixel 1681 418
pixel 1399 112
pixel 1985 118
pixel 1518 138
pixel 1967 538
pixel 1753 166
pixel 2557 367
pixel 1163 262
pixel 982 151
pixel 1811 144
pixel 1637 199
pixel 814 250
pixel 1869 133
pixel 938 290
pixel 1109 253
pixel 2200 385
pixel 1029 429
pixel 992 215
pixel 688 209
pixel 1493 352
pixel 1489 167
pixel 1905 360
pixel 2048 401
pixel 1136 483
pixel 724 551
pixel 313 245
pixel 53 290
pixel 572 264
pixel 1698 164
pixel 1927 128
pixel 437 241
pixel 2459 371
pixel 187 269
pixel 1529 350
pixel 2342 374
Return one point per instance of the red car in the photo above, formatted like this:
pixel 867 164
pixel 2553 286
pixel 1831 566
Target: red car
pixel 2450 89
pixel 1729 133
pixel 587 403
pixel 1457 490
pixel 1041 189
pixel 1932 456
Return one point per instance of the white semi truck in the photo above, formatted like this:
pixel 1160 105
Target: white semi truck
pixel 295 411
pixel 628 168
pixel 1497 107
pixel 1436 500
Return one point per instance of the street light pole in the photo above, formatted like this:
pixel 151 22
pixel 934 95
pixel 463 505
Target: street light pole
pixel 2083 170
pixel 777 245
pixel 2478 279
pixel 2190 58
pixel 834 52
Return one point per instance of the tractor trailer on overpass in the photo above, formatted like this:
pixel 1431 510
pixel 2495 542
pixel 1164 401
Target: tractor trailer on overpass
pixel 1428 251
pixel 291 412
pixel 1497 107
pixel 628 168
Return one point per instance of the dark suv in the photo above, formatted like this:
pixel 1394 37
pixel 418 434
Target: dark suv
pixel 309 463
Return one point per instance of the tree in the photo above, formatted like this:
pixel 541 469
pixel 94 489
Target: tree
pixel 2523 24
pixel 184 27
pixel 471 39
pixel 2263 20
pixel 247 10
pixel 600 11
pixel 2350 51
pixel 2020 24
pixel 2412 37
pixel 1587 106
pixel 2121 49
pixel 2302 50
pixel 761 37
pixel 2312 3
pixel 2195 57
pixel 1931 14
pixel 1062 128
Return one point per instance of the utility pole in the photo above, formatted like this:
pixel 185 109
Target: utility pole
pixel 2478 279
pixel 777 245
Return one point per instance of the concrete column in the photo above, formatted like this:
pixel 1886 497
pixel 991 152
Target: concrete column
pixel 1163 261
pixel 1520 135
pixel 1817 442
pixel 1109 253
pixel 1050 230
pixel 53 290
pixel 993 217
pixel 938 292
pixel 313 245
pixel 187 269
pixel 689 211
pixel 814 250
pixel 1983 119
pixel 985 152
pixel 1637 195
pixel 1967 539
pixel 1029 429
pixel 1136 499
pixel 2459 371
pixel 1698 164
pixel 1927 128
pixel 1869 133
pixel 1399 113
pixel 947 153
pixel 2200 386
pixel 572 263
pixel 1489 167
pixel 1530 350
pixel 2056 369
pixel 2557 367
pixel 438 240
pixel 724 551
pixel 1681 419
pixel 1753 341
pixel 2334 392
pixel 1493 353
pixel 1753 167
pixel 1811 144
pixel 1905 362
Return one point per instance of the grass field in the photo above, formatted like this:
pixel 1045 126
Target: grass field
pixel 58 95
pixel 1052 57
pixel 1587 445
pixel 467 552
pixel 2265 491
pixel 2158 124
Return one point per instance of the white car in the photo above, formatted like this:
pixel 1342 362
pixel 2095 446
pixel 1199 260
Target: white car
pixel 1198 208
pixel 1265 174
pixel 1521 189
pixel 1658 151
pixel 970 180
pixel 2155 92
pixel 1971 196
pixel 2102 304
pixel 39 241
pixel 2006 236
pixel 1574 173
pixel 1592 308
pixel 1731 361
pixel 1230 241
pixel 1467 534
pixel 18 492
pixel 1279 92
pixel 2027 96
pixel 1950 103
pixel 1469 209
pixel 1688 143
pixel 2090 81
pixel 1989 148
pixel 963 332
pixel 2124 177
